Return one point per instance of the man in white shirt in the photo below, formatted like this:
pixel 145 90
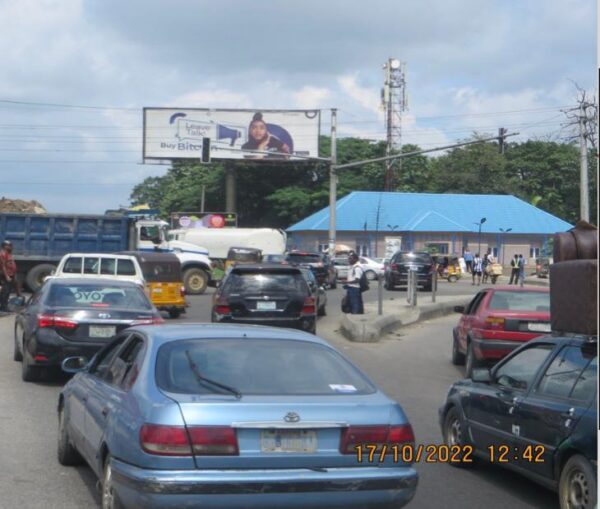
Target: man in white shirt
pixel 352 285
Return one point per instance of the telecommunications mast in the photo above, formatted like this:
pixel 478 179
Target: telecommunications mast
pixel 393 99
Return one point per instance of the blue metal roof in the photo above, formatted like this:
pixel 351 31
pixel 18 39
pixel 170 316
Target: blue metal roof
pixel 417 212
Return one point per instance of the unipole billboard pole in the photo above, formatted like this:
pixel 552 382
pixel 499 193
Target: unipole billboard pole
pixel 230 190
pixel 332 183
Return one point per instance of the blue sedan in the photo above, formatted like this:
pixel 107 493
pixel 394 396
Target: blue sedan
pixel 236 416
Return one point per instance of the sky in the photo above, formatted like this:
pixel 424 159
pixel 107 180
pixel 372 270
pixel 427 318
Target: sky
pixel 77 73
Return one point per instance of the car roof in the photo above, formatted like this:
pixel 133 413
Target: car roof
pixel 561 338
pixel 173 332
pixel 106 281
pixel 257 267
pixel 518 289
pixel 101 255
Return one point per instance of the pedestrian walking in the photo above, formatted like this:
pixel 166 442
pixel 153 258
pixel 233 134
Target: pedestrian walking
pixel 514 270
pixel 8 274
pixel 352 286
pixel 477 269
pixel 521 270
pixel 468 260
pixel 484 264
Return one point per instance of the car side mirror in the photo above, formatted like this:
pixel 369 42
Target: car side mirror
pixel 74 364
pixel 459 309
pixel 482 375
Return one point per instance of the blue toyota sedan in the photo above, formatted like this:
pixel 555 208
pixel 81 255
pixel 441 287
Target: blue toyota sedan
pixel 204 415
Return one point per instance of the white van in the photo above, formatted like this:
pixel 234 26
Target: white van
pixel 110 266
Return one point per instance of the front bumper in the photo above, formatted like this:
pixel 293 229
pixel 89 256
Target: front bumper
pixel 294 488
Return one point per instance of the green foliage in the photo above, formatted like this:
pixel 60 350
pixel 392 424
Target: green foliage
pixel 273 194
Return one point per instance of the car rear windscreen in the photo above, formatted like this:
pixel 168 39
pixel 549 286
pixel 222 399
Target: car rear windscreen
pixel 520 301
pixel 257 366
pixel 415 258
pixel 305 258
pixel 95 295
pixel 264 281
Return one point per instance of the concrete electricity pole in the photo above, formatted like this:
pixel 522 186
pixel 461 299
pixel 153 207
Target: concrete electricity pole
pixel 393 101
pixel 584 199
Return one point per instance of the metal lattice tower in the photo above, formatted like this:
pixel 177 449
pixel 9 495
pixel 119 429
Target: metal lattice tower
pixel 393 99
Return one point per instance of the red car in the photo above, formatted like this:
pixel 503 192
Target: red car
pixel 497 321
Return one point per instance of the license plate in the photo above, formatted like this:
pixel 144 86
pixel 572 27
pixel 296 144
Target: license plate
pixel 102 331
pixel 266 306
pixel 288 441
pixel 539 327
pixel 157 290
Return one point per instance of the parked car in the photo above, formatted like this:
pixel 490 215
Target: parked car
pixel 497 321
pixel 99 265
pixel 372 268
pixel 267 295
pixel 75 316
pixel 396 273
pixel 208 415
pixel 342 267
pixel 535 413
pixel 317 291
pixel 319 263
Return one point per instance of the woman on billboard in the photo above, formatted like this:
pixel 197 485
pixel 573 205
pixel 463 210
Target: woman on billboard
pixel 259 138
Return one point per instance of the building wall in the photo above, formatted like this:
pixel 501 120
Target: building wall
pixel 373 244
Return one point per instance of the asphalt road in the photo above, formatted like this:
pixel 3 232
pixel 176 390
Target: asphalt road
pixel 412 366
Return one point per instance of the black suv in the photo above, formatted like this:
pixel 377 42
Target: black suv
pixel 319 263
pixel 266 294
pixel 396 273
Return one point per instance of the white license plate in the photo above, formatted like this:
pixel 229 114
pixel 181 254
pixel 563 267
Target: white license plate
pixel 266 306
pixel 157 290
pixel 288 441
pixel 539 327
pixel 102 331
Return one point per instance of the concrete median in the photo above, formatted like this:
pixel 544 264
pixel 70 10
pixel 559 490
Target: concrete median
pixel 369 328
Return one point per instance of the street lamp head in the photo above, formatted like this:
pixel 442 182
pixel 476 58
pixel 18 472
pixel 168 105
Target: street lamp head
pixel 483 220
pixel 509 229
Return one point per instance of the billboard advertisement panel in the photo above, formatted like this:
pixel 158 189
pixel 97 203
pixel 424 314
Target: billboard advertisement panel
pixel 171 133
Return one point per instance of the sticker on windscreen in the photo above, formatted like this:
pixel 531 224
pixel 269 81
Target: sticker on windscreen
pixel 342 387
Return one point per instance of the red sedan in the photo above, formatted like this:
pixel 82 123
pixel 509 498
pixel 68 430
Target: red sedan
pixel 497 321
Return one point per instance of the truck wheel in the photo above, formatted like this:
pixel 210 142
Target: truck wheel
pixel 35 277
pixel 174 313
pixel 195 281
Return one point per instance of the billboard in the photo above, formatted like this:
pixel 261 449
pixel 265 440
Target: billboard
pixel 171 133
pixel 203 220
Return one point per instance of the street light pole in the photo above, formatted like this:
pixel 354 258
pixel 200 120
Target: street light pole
pixel 482 220
pixel 333 184
pixel 504 232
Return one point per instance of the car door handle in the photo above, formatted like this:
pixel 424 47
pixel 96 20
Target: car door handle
pixel 84 399
pixel 105 411
pixel 569 413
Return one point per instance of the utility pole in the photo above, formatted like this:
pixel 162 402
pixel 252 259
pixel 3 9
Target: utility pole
pixel 333 183
pixel 393 99
pixel 584 198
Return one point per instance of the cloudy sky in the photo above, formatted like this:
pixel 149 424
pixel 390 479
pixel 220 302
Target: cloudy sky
pixel 76 73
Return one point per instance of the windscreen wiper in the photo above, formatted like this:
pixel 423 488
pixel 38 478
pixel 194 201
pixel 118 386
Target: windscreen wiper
pixel 203 380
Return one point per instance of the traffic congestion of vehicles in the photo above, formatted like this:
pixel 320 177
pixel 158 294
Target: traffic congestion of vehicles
pixel 248 412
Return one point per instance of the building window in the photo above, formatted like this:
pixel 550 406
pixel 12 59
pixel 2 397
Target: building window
pixel 362 248
pixel 437 247
pixel 534 252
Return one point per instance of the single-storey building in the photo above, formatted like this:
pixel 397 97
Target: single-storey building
pixel 377 224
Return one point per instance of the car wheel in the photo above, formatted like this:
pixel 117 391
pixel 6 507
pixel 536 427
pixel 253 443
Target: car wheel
pixel 17 354
pixel 452 279
pixel 458 358
pixel 174 313
pixel 321 311
pixel 577 486
pixel 29 373
pixel 195 281
pixel 455 435
pixel 67 454
pixel 388 285
pixel 471 361
pixel 110 499
pixel 370 275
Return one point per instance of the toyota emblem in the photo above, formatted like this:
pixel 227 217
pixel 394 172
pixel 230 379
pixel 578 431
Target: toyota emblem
pixel 291 417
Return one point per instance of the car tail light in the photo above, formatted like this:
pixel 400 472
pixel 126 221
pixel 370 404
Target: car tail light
pixel 155 320
pixel 308 308
pixel 394 266
pixel 354 436
pixel 214 441
pixel 165 440
pixel 56 322
pixel 494 323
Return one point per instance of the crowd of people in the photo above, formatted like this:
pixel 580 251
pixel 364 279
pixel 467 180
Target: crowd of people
pixel 477 266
